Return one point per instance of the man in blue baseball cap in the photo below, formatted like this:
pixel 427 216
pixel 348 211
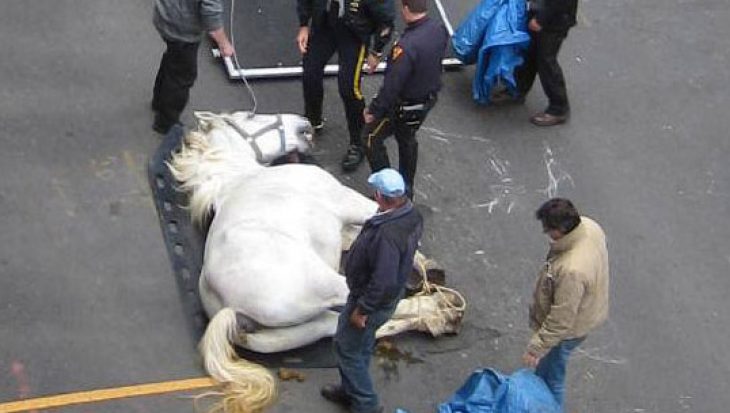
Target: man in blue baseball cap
pixel 377 265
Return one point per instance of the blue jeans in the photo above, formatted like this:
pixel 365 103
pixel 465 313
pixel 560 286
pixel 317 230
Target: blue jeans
pixel 354 348
pixel 552 366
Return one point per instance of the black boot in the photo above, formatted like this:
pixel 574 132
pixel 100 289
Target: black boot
pixel 353 158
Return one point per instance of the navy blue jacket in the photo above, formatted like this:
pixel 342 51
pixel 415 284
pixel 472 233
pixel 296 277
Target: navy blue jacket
pixel 381 257
pixel 414 67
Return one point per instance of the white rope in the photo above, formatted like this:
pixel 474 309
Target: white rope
pixel 449 307
pixel 235 60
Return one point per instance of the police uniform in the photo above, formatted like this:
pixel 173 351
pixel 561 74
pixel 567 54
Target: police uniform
pixel 345 26
pixel 412 81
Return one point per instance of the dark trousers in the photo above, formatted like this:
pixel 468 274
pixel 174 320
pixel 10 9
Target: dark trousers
pixel 542 59
pixel 325 39
pixel 403 125
pixel 353 348
pixel 176 75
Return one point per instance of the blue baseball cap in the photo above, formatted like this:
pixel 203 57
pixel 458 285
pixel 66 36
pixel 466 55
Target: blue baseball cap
pixel 388 182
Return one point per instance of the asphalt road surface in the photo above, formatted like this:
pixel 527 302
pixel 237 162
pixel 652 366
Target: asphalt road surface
pixel 87 297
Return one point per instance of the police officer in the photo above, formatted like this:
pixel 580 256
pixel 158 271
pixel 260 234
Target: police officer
pixel 345 26
pixel 412 80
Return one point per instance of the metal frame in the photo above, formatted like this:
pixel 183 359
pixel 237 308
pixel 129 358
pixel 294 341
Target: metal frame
pixel 295 71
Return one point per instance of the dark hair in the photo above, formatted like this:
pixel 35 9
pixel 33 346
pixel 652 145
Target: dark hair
pixel 558 214
pixel 416 6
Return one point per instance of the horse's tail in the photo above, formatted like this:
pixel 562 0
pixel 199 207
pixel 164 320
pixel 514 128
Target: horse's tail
pixel 247 387
pixel 204 171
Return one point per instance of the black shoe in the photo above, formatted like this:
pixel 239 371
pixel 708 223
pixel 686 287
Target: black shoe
pixel 353 158
pixel 547 119
pixel 504 98
pixel 335 394
pixel 318 127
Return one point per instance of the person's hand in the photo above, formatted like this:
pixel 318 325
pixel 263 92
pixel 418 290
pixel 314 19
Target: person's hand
pixel 367 116
pixel 533 25
pixel 358 320
pixel 373 62
pixel 303 39
pixel 226 49
pixel 530 359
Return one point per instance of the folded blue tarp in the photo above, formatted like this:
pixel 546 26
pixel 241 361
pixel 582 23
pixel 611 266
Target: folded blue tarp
pixel 494 36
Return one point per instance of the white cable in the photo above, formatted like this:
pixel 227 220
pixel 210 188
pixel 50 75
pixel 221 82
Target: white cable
pixel 235 60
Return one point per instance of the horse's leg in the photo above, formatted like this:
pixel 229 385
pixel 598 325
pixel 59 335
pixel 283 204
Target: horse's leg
pixel 354 208
pixel 272 340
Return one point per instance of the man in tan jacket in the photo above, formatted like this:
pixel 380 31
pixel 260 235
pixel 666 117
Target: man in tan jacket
pixel 571 293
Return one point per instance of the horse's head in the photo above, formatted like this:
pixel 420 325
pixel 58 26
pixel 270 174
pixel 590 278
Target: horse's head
pixel 267 136
pixel 227 146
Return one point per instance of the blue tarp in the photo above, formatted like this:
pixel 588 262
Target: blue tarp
pixel 494 36
pixel 489 391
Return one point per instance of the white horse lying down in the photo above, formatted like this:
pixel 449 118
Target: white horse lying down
pixel 269 279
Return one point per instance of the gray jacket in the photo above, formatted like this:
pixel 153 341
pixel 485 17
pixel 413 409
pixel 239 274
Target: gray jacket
pixel 186 20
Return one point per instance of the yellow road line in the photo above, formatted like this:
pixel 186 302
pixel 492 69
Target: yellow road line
pixel 94 396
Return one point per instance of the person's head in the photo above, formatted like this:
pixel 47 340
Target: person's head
pixel 390 189
pixel 558 217
pixel 412 10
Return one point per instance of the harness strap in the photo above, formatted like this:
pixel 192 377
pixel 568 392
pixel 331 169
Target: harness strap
pixel 250 140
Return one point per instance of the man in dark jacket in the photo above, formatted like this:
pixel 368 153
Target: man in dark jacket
pixel 412 81
pixel 181 25
pixel 354 29
pixel 377 267
pixel 549 22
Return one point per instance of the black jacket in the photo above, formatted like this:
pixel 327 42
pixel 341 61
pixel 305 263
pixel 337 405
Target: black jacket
pixel 555 15
pixel 414 67
pixel 381 258
pixel 366 18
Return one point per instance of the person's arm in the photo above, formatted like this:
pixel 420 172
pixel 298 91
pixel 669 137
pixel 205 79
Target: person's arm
pixel 400 66
pixel 304 13
pixel 568 295
pixel 545 13
pixel 221 39
pixel 383 14
pixel 211 18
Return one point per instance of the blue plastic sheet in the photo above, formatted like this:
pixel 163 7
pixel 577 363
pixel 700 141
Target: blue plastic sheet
pixel 494 36
pixel 489 391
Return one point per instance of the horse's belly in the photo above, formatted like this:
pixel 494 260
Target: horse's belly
pixel 274 279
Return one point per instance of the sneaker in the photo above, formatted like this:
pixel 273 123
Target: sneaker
pixel 336 394
pixel 352 159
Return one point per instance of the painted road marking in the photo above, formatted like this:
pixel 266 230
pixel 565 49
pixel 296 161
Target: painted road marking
pixel 101 395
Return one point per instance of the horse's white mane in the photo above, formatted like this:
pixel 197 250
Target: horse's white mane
pixel 203 171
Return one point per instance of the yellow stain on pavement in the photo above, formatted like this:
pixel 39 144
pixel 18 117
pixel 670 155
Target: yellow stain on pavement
pixel 101 395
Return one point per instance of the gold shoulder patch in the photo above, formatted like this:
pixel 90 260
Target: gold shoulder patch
pixel 396 53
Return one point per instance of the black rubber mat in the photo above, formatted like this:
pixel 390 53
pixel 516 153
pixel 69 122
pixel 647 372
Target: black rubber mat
pixel 185 245
pixel 265 30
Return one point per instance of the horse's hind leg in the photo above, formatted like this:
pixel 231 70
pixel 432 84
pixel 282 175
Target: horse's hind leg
pixel 272 340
